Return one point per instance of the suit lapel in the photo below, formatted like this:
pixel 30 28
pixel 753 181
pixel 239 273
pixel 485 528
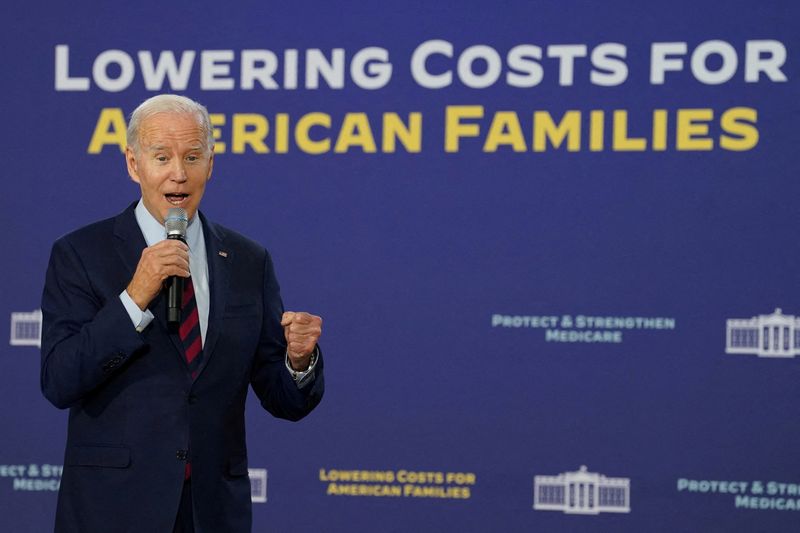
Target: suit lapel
pixel 129 244
pixel 129 241
pixel 219 268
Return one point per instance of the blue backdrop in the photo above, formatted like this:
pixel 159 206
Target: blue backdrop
pixel 573 258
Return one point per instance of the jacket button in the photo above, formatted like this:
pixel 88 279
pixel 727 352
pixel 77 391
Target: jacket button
pixel 192 399
pixel 182 455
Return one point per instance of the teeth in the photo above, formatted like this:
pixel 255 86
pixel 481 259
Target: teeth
pixel 176 198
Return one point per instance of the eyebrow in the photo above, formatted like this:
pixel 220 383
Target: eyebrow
pixel 158 147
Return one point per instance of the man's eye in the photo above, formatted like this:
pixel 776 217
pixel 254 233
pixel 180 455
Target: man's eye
pixel 192 158
pixel 161 158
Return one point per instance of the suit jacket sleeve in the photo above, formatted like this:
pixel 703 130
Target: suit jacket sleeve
pixel 86 337
pixel 270 379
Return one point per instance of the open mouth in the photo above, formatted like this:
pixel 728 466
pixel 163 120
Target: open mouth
pixel 176 198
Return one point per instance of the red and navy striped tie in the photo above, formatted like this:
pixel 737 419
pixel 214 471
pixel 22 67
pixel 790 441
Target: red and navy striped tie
pixel 190 329
pixel 192 341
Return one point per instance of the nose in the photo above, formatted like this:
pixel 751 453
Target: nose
pixel 178 173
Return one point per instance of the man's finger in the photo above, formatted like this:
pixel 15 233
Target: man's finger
pixel 293 335
pixel 287 318
pixel 304 329
pixel 300 348
pixel 176 270
pixel 302 318
pixel 170 246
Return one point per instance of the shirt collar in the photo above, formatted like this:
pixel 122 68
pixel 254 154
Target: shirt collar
pixel 154 232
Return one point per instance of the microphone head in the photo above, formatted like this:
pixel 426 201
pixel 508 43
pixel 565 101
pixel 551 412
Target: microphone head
pixel 176 222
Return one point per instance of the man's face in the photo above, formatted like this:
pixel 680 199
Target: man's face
pixel 172 163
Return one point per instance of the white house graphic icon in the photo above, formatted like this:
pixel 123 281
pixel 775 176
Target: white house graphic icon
pixel 26 329
pixel 582 492
pixel 775 335
pixel 258 484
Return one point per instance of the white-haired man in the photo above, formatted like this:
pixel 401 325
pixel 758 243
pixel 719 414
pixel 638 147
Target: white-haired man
pixel 156 439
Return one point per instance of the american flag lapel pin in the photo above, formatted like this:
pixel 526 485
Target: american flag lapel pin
pixel 223 254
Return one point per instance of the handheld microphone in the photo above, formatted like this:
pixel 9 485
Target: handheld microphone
pixel 176 224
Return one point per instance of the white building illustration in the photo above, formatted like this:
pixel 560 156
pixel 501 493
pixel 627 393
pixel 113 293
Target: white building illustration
pixel 26 329
pixel 258 484
pixel 582 492
pixel 775 335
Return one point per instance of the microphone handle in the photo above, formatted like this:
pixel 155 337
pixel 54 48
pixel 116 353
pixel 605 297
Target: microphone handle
pixel 174 294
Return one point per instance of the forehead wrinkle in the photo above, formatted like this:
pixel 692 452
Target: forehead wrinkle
pixel 197 145
pixel 173 131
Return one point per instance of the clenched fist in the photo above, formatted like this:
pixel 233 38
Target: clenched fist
pixel 302 331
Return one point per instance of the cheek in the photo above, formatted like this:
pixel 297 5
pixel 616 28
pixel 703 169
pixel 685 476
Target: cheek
pixel 151 179
pixel 199 178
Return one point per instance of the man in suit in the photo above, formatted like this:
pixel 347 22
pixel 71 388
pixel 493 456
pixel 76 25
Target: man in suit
pixel 156 436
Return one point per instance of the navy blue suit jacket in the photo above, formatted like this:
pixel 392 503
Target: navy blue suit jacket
pixel 134 411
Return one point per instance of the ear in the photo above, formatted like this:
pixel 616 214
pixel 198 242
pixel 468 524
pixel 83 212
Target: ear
pixel 133 164
pixel 210 165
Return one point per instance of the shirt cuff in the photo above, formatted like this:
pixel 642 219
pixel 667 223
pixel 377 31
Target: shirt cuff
pixel 307 376
pixel 141 319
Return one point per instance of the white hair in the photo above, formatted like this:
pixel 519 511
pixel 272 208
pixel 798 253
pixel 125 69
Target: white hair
pixel 169 103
